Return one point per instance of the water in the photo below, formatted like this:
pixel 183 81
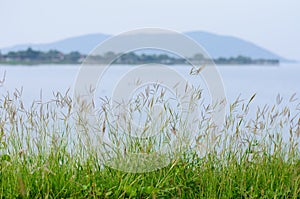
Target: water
pixel 40 82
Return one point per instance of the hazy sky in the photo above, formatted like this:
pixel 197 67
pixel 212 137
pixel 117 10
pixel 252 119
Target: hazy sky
pixel 273 24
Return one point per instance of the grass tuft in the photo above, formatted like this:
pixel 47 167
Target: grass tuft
pixel 255 155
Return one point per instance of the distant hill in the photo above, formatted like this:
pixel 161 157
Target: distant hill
pixel 82 44
pixel 228 46
pixel 216 45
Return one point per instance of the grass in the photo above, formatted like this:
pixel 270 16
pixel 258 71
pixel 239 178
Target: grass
pixel 253 157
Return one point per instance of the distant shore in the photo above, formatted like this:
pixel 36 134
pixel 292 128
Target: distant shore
pixel 33 57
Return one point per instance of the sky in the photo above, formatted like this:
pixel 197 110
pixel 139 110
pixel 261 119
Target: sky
pixel 272 24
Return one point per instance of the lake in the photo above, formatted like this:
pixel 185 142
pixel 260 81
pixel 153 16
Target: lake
pixel 245 80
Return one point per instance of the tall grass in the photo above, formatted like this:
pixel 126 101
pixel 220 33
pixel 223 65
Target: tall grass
pixel 255 155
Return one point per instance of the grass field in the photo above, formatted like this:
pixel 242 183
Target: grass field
pixel 253 157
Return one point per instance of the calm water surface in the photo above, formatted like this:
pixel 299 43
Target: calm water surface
pixel 266 81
